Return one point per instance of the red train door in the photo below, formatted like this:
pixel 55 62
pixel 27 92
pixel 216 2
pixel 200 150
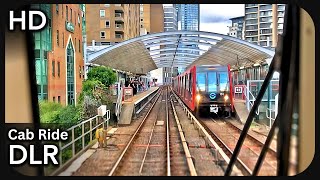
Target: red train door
pixel 231 87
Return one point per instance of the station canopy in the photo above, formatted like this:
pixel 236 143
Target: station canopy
pixel 180 49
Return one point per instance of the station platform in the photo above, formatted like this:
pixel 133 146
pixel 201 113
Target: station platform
pixel 241 110
pixel 129 107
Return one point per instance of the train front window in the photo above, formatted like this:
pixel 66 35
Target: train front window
pixel 201 81
pixel 212 81
pixel 223 77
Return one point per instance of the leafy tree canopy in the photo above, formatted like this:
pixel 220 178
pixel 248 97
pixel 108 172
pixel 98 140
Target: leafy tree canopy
pixel 103 74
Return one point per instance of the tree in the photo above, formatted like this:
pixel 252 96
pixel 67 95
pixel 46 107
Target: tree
pixel 103 74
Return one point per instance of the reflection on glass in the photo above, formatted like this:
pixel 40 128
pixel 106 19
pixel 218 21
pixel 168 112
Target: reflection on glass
pixel 223 81
pixel 212 81
pixel 201 81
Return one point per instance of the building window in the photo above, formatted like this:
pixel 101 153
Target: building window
pixel 58 37
pixel 54 99
pixel 75 44
pixel 102 13
pixel 79 46
pixel 57 8
pixel 59 99
pixel 107 5
pixel 67 13
pixel 58 64
pixel 70 15
pixel 105 43
pixel 107 24
pixel 102 34
pixel 79 20
pixel 53 68
pixel 80 72
pixel 62 10
pixel 70 75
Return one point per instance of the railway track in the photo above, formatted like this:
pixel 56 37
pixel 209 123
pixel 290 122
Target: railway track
pixel 210 155
pixel 229 134
pixel 154 149
pixel 225 135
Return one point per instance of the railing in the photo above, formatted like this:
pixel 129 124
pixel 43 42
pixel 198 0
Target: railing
pixel 119 103
pixel 249 101
pixel 83 134
pixel 269 116
pixel 245 93
pixel 118 35
pixel 117 14
pixel 119 26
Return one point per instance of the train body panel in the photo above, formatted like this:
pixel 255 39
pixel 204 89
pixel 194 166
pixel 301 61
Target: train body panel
pixel 207 88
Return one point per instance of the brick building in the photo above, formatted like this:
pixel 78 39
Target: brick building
pixel 59 53
pixel 108 24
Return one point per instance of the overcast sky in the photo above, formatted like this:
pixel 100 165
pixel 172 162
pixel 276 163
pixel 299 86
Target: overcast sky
pixel 215 17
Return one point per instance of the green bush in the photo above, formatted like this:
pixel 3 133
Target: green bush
pixel 103 74
pixel 49 111
pixel 88 87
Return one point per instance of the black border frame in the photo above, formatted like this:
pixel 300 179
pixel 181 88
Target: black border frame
pixel 310 6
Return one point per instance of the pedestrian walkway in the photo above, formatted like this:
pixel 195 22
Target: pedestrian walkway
pixel 76 164
pixel 241 110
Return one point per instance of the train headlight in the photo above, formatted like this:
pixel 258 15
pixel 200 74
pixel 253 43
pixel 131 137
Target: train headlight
pixel 198 97
pixel 226 97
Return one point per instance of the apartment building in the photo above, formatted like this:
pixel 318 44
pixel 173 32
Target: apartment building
pixel 263 23
pixel 108 24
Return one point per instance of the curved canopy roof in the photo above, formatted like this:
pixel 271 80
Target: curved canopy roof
pixel 179 49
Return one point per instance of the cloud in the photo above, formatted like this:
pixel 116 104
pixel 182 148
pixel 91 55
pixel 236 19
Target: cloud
pixel 207 18
pixel 225 11
pixel 220 28
pixel 215 17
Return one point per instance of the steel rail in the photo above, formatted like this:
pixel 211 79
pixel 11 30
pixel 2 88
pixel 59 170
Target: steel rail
pixel 148 145
pixel 187 153
pixel 168 142
pixel 132 138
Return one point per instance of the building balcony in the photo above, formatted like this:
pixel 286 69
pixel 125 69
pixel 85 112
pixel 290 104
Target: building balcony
pixel 251 35
pixel 251 17
pixel 251 5
pixel 118 8
pixel 265 7
pixel 265 38
pixel 252 29
pixel 281 8
pixel 251 10
pixel 118 17
pixel 119 37
pixel 252 23
pixel 266 33
pixel 119 28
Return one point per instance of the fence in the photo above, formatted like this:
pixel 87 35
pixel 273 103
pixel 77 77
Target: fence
pixel 94 124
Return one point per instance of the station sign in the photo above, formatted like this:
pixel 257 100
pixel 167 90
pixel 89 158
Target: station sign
pixel 128 92
pixel 238 90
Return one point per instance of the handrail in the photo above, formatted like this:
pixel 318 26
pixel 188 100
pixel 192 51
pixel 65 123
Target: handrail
pixel 83 134
pixel 270 114
pixel 119 104
pixel 248 99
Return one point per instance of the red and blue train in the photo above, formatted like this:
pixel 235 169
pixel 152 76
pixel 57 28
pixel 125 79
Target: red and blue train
pixel 206 89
